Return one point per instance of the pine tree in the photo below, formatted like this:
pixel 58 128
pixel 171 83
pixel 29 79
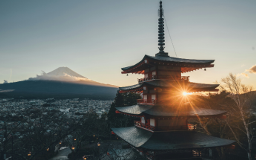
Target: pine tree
pixel 121 100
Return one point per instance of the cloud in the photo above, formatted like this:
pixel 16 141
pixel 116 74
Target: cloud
pixel 64 77
pixel 252 69
pixel 243 74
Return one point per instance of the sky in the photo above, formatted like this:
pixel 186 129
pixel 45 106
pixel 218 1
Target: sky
pixel 96 38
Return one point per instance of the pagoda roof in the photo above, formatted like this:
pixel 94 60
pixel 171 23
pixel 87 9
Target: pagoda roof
pixel 169 111
pixel 187 64
pixel 141 138
pixel 190 86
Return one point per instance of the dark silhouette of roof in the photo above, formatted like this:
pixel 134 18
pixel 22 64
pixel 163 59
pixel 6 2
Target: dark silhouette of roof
pixel 171 59
pixel 170 111
pixel 138 137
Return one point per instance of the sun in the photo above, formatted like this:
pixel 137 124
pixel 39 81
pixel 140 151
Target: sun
pixel 186 93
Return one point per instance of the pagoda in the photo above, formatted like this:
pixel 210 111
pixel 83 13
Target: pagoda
pixel 163 131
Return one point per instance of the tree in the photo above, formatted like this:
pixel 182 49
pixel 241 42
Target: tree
pixel 237 99
pixel 218 126
pixel 242 96
pixel 122 100
pixel 118 102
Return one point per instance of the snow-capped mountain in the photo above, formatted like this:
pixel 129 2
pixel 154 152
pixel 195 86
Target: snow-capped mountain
pixel 59 83
pixel 60 74
pixel 67 75
pixel 64 71
pixel 55 89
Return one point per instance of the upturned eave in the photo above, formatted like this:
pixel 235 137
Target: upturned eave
pixel 186 65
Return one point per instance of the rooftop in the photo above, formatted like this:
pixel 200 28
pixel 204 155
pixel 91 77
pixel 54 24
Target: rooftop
pixel 169 140
pixel 190 86
pixel 186 64
pixel 170 111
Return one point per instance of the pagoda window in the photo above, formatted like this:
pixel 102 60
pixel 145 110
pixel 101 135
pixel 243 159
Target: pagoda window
pixel 152 122
pixel 153 98
pixel 144 88
pixel 145 98
pixel 146 61
pixel 153 74
pixel 143 120
pixel 141 95
pixel 146 76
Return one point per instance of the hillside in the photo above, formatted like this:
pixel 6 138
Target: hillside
pixel 59 83
pixel 56 89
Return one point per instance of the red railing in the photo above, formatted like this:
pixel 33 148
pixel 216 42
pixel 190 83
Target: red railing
pixel 146 79
pixel 191 127
pixel 185 78
pixel 145 126
pixel 142 101
pixel 152 128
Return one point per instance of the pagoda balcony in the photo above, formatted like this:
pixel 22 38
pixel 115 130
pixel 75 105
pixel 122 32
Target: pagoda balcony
pixel 146 79
pixel 189 127
pixel 144 126
pixel 148 102
pixel 183 78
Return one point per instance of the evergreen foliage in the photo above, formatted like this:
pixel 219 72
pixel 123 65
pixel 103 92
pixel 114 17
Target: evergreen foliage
pixel 122 100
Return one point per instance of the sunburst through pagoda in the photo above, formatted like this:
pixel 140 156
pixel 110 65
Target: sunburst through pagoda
pixel 163 131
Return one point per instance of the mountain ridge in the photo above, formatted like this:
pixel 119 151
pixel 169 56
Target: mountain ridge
pixel 60 83
pixel 68 75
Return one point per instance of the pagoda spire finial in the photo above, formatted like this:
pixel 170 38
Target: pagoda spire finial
pixel 161 32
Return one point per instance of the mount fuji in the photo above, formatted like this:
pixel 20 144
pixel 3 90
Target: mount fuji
pixel 59 83
pixel 62 72
pixel 65 74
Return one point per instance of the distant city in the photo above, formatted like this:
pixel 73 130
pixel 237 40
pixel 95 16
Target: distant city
pixel 72 108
